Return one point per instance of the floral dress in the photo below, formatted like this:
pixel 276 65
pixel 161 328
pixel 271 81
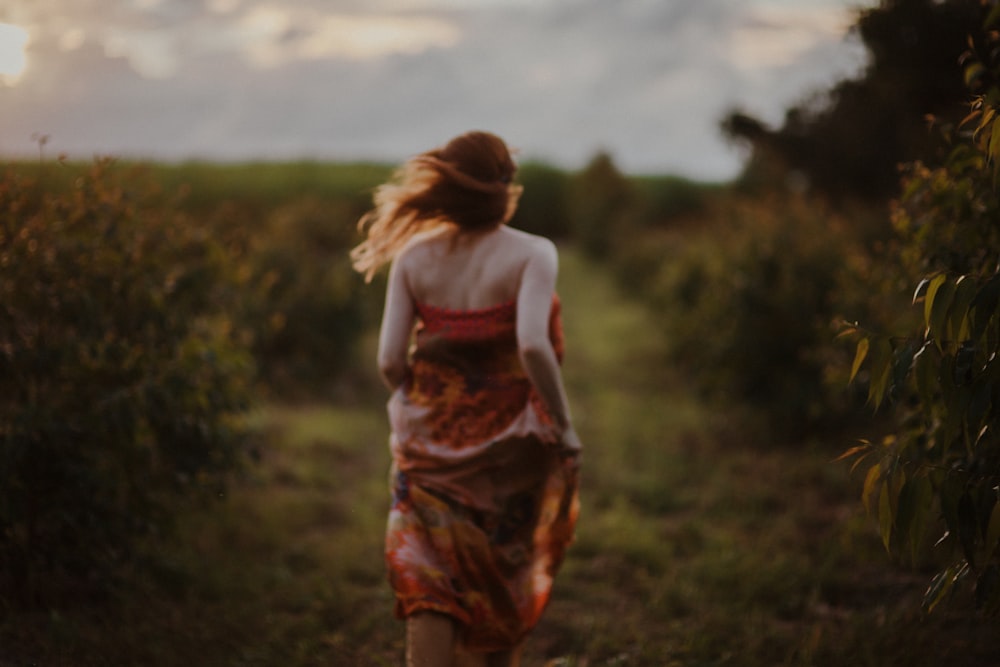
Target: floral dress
pixel 484 500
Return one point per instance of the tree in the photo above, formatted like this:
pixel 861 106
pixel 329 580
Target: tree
pixel 849 141
pixel 600 196
pixel 938 473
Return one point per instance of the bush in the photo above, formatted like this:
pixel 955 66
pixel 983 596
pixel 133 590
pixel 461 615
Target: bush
pixel 749 306
pixel 289 228
pixel 121 377
pixel 666 200
pixel 307 308
pixel 938 473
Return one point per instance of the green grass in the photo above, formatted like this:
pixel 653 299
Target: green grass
pixel 696 545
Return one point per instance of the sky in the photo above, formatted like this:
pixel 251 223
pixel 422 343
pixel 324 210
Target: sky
pixel 646 81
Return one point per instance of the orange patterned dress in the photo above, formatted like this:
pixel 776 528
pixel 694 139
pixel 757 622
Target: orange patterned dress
pixel 484 500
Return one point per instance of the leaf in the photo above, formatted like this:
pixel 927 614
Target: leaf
pixel 898 481
pixel 984 306
pixel 993 532
pixel 857 449
pixel 965 291
pixel 921 289
pixel 905 509
pixel 988 589
pixel 973 73
pixel 993 17
pixel 939 587
pixel 993 152
pixel 861 451
pixel 979 407
pixel 967 529
pixel 902 365
pixel 975 113
pixel 881 367
pixel 848 329
pixel 915 499
pixel 949 492
pixel 940 305
pixel 987 118
pixel 859 357
pixel 868 489
pixel 885 516
pixel 965 356
pixel 925 373
pixel 932 287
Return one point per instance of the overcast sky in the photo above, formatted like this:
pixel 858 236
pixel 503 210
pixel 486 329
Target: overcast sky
pixel 645 80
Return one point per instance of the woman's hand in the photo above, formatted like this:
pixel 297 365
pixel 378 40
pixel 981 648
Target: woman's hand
pixel 571 441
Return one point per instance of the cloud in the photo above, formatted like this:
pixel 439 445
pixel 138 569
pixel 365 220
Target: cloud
pixel 776 36
pixel 646 80
pixel 272 35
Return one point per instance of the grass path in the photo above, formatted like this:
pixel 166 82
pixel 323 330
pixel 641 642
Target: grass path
pixel 695 546
pixel 700 546
pixel 690 549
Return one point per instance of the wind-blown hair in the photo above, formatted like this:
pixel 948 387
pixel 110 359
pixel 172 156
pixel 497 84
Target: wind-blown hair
pixel 466 184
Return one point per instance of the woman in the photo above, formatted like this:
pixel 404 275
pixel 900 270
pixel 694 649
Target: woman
pixel 484 452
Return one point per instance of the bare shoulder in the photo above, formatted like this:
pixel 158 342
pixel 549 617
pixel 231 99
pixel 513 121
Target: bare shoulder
pixel 534 247
pixel 422 248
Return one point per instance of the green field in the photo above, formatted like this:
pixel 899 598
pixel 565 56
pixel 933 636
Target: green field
pixel 696 545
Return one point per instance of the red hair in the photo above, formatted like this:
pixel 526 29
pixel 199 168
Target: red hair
pixel 466 184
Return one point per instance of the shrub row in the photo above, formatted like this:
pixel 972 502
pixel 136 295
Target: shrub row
pixel 122 376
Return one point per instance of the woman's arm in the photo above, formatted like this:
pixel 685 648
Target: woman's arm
pixel 397 323
pixel 534 310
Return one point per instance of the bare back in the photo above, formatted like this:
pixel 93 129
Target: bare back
pixel 470 271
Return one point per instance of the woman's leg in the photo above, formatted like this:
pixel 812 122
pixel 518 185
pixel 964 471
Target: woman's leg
pixel 430 640
pixel 511 658
pixel 464 658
